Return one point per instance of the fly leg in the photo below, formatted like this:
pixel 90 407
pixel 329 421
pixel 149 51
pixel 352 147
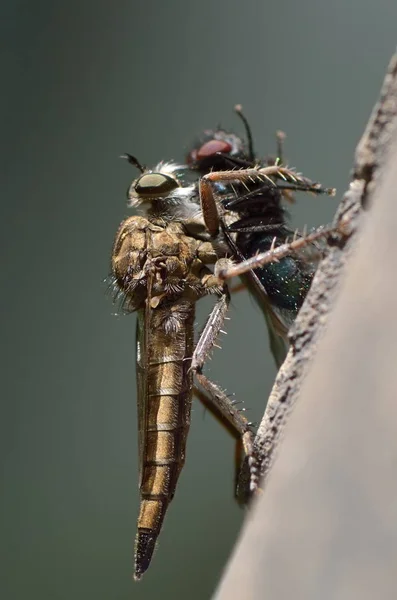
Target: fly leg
pixel 280 137
pixel 220 402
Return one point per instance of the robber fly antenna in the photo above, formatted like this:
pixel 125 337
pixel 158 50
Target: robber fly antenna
pixel 239 110
pixel 133 161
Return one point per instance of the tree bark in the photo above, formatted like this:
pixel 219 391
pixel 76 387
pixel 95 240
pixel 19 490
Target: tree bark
pixel 326 524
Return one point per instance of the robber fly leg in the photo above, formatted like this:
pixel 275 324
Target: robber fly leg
pixel 275 253
pixel 254 175
pixel 207 191
pixel 210 332
pixel 208 206
pixel 221 403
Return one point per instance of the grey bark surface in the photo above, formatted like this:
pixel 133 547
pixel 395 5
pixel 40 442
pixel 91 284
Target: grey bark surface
pixel 326 524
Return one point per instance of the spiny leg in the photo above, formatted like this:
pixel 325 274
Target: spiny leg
pixel 236 419
pixel 261 194
pixel 280 137
pixel 253 176
pixel 263 174
pixel 209 335
pixel 217 397
pixel 274 254
pixel 240 467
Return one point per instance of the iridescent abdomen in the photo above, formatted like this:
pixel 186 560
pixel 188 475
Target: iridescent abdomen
pixel 287 281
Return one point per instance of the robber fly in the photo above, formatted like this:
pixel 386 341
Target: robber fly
pixel 252 220
pixel 163 262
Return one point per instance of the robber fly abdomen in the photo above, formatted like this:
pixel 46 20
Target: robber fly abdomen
pixel 167 422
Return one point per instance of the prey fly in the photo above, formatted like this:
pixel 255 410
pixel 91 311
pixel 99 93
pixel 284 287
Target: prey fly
pixel 242 203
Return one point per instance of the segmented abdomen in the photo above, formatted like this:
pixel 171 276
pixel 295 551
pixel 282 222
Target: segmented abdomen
pixel 165 418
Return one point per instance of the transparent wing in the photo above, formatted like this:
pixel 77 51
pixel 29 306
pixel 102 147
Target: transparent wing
pixel 142 376
pixel 276 326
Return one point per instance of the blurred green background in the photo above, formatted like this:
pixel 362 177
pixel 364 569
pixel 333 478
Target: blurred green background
pixel 84 81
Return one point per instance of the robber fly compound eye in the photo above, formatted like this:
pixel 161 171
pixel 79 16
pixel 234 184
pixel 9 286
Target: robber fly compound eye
pixel 155 185
pixel 152 186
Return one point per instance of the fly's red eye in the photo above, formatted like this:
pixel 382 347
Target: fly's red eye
pixel 213 147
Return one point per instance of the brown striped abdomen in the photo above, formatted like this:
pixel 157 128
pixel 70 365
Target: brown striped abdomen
pixel 166 418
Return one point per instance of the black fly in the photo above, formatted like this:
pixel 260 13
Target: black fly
pixel 252 220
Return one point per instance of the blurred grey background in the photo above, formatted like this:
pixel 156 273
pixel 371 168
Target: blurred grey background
pixel 83 82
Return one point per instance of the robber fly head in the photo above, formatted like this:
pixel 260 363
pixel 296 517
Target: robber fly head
pixel 154 184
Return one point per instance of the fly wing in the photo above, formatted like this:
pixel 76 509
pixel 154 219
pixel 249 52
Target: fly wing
pixel 276 326
pixel 309 256
pixel 142 373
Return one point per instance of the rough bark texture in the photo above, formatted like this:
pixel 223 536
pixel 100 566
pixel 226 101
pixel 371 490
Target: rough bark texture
pixel 326 525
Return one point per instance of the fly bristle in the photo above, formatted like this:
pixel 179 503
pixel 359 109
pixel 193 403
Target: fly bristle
pixel 145 544
pixel 173 288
